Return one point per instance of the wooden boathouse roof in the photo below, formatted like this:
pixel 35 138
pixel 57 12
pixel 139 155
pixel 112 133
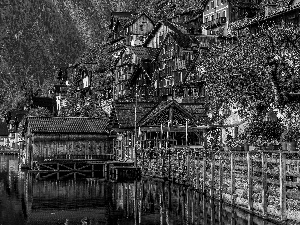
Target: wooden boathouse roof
pixel 65 125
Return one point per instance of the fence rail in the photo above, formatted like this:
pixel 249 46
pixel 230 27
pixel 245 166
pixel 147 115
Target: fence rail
pixel 265 182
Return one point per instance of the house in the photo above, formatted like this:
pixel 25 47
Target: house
pixel 158 124
pixel 160 31
pixel 13 119
pixel 3 134
pixel 218 14
pixel 67 138
pixel 178 55
pixel 191 19
pixel 78 74
pixel 134 61
pixel 128 29
pixel 272 13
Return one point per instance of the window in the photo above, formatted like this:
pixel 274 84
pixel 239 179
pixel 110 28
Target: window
pixel 141 27
pixel 206 19
pixel 212 17
pixel 212 4
pixel 218 2
pixel 218 15
pixel 207 7
pixel 224 14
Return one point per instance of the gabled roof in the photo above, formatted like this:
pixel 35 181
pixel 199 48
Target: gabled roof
pixel 197 110
pixel 163 106
pixel 122 17
pixel 125 113
pixel 170 25
pixel 82 125
pixel 3 129
pixel 135 18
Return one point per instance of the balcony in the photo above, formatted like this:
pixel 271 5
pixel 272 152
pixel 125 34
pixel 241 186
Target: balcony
pixel 167 91
pixel 215 23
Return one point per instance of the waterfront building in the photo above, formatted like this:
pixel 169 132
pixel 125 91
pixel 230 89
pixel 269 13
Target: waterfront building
pixel 50 138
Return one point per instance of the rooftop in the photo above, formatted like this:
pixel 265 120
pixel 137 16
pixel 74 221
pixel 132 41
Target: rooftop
pixel 82 125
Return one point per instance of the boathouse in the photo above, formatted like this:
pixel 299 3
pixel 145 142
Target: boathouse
pixel 157 125
pixel 69 138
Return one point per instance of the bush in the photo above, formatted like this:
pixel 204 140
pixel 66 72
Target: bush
pixel 291 133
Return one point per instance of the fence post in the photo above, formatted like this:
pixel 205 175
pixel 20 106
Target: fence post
pixel 220 176
pixel 282 183
pixel 212 167
pixel 204 172
pixel 264 183
pixel 250 181
pixel 198 172
pixel 232 180
pixel 188 165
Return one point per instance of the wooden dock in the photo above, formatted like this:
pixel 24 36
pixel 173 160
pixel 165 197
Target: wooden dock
pixel 78 168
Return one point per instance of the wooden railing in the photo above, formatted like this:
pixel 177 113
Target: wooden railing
pixel 263 182
pixel 103 157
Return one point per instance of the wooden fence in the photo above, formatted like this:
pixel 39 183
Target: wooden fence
pixel 264 182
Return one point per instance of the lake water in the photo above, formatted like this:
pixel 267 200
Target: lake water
pixel 25 200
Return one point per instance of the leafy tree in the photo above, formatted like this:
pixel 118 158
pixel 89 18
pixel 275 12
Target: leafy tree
pixel 88 102
pixel 257 71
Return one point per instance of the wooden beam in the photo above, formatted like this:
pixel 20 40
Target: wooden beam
pixel 282 182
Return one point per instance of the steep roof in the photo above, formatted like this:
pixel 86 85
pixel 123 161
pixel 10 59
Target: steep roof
pixel 124 113
pixel 170 25
pixel 82 125
pixel 163 106
pixel 122 17
pixel 136 17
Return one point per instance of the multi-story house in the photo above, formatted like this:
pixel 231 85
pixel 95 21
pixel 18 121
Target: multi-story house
pixel 190 19
pixel 80 74
pixel 218 14
pixel 133 74
pixel 160 95
pixel 13 120
pixel 160 31
pixel 128 29
pixel 272 13
pixel 176 60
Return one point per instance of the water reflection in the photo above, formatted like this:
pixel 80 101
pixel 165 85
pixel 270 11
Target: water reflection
pixel 25 200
